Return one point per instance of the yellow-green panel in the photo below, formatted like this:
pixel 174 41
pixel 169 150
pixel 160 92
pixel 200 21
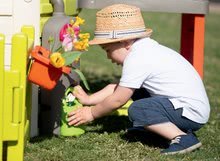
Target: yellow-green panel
pixel 123 111
pixel 2 45
pixel 43 20
pixel 18 63
pixel 11 81
pixel 29 31
pixel 70 7
pixel 16 119
pixel 45 7
pixel 2 49
pixel 44 1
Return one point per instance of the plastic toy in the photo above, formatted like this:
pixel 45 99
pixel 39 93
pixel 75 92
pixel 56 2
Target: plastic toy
pixel 70 103
pixel 42 72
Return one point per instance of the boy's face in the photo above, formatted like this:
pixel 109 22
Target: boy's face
pixel 117 52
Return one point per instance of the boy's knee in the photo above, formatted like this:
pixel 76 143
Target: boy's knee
pixel 132 111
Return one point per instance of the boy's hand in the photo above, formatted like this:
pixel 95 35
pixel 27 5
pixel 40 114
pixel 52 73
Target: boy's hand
pixel 82 96
pixel 80 116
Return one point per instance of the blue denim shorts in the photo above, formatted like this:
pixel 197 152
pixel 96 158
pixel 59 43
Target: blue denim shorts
pixel 156 110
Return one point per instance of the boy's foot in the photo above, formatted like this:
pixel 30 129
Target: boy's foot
pixel 182 144
pixel 135 129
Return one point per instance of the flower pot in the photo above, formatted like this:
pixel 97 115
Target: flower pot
pixel 42 72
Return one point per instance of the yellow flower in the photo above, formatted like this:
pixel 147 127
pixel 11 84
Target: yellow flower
pixel 79 21
pixel 84 36
pixel 78 45
pixel 70 31
pixel 86 41
pixel 81 45
pixel 57 60
pixel 72 21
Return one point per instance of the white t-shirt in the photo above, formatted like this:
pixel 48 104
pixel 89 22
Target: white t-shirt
pixel 164 72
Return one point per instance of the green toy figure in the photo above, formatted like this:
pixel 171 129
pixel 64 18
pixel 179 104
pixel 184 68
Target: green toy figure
pixel 70 103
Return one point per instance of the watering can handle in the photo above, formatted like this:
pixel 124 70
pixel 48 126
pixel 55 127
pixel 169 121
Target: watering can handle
pixel 40 50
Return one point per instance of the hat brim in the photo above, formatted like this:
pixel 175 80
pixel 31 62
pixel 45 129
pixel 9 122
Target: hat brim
pixel 97 41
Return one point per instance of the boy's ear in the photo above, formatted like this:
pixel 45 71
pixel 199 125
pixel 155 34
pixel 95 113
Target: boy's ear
pixel 128 44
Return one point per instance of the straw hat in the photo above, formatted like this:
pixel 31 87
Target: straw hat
pixel 119 22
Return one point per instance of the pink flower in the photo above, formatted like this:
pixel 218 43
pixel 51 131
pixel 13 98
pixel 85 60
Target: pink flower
pixel 67 43
pixel 63 31
pixel 76 30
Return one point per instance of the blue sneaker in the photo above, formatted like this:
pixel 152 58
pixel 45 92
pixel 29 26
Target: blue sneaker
pixel 182 144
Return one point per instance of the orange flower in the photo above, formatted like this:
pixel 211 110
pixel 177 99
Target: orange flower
pixel 57 60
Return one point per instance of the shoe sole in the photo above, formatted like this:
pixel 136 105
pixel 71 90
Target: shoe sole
pixel 192 148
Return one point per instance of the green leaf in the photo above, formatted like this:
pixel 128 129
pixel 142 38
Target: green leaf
pixel 82 77
pixel 59 49
pixel 71 56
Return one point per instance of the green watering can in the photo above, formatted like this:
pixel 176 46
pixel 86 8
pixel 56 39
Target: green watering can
pixel 70 103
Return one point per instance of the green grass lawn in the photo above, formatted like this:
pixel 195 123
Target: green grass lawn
pixel 106 138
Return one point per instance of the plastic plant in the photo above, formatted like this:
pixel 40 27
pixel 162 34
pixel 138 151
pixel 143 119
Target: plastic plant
pixel 74 43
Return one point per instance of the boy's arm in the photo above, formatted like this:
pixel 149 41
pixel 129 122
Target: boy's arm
pixel 94 98
pixel 99 96
pixel 120 96
pixel 114 101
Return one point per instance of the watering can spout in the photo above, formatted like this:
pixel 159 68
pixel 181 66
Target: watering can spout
pixel 58 6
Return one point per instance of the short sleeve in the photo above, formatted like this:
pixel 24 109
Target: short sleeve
pixel 134 72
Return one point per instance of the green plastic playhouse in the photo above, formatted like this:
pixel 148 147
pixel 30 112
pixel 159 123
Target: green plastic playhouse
pixel 15 47
pixel 15 96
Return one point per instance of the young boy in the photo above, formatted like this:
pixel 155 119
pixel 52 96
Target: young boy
pixel 178 104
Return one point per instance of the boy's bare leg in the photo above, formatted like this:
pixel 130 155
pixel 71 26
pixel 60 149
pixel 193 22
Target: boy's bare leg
pixel 167 130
